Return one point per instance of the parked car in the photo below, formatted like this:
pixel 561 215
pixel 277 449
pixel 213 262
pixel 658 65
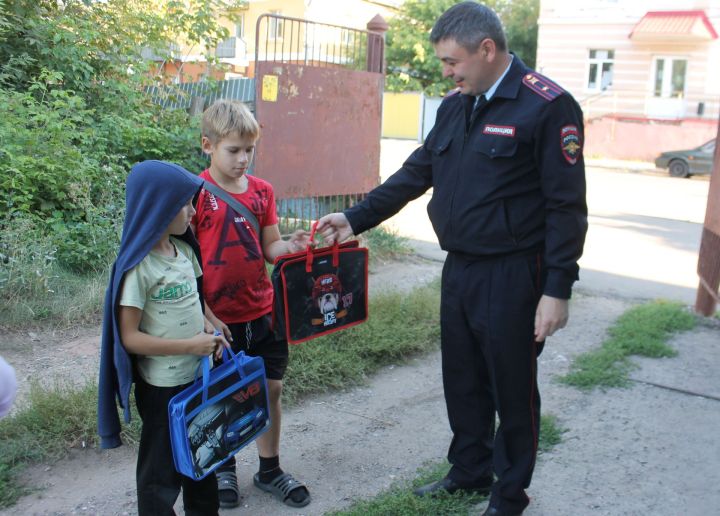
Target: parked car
pixel 684 163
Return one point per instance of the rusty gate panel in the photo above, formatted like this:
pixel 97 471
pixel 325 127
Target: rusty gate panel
pixel 318 101
pixel 709 257
pixel 320 129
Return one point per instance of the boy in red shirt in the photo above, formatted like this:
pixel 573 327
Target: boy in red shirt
pixel 237 290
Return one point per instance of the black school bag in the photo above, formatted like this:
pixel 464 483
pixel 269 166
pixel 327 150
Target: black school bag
pixel 319 291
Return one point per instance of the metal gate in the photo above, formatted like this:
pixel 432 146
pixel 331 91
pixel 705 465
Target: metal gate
pixel 318 101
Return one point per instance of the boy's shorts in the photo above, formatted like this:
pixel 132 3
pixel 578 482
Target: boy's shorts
pixel 257 339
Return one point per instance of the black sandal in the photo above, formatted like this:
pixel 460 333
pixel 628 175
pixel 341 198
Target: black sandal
pixel 281 487
pixel 228 491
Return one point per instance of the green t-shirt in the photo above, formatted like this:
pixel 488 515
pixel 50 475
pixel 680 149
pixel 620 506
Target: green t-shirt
pixel 165 289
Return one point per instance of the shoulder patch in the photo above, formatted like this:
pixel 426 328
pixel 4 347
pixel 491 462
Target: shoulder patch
pixel 570 143
pixel 542 86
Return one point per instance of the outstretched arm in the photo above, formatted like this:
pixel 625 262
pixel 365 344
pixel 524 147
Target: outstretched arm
pixel 274 245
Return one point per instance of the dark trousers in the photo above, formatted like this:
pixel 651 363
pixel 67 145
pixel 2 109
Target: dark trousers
pixel 158 483
pixel 489 364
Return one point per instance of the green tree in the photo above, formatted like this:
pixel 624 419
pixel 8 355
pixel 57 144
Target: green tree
pixel 411 62
pixel 75 115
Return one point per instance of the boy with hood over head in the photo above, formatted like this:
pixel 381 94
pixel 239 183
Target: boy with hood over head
pixel 154 331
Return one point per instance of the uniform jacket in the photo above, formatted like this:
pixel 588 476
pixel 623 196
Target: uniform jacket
pixel 155 193
pixel 511 182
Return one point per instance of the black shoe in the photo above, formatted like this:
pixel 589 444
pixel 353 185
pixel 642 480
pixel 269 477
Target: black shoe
pixel 449 486
pixel 492 511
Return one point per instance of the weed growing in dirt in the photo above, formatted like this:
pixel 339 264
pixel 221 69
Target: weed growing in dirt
pixel 642 330
pixel 550 432
pixel 385 244
pixel 399 500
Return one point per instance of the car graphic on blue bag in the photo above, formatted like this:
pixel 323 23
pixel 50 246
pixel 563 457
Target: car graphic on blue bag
pixel 213 437
pixel 245 427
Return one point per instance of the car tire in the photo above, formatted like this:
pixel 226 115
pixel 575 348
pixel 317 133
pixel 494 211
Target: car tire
pixel 678 168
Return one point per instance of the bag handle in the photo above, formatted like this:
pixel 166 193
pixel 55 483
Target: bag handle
pixel 226 356
pixel 309 256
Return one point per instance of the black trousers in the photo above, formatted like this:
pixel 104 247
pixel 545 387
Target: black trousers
pixel 489 365
pixel 158 483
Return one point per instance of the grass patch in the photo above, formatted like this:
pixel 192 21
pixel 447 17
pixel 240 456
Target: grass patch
pixel 54 419
pixel 385 244
pixel 61 300
pixel 550 433
pixel 36 289
pixel 399 499
pixel 642 330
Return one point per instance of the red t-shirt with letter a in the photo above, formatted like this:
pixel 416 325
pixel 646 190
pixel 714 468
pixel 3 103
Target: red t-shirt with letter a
pixel 235 282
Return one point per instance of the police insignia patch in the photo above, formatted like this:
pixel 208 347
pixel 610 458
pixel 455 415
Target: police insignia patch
pixel 570 143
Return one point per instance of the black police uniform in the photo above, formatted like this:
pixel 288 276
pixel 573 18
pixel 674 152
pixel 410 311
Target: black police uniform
pixel 508 205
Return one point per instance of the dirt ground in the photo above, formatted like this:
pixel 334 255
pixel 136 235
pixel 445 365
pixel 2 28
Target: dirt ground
pixel 637 451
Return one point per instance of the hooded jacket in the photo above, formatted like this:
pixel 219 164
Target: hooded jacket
pixel 155 193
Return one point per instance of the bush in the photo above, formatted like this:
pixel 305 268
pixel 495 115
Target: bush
pixel 75 118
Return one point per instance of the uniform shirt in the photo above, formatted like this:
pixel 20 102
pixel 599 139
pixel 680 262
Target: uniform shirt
pixel 236 284
pixel 165 289
pixel 511 182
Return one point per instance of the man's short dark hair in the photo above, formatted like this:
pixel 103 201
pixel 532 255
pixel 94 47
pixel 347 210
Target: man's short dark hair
pixel 469 23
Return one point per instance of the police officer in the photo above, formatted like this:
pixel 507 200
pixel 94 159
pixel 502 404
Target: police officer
pixel 505 163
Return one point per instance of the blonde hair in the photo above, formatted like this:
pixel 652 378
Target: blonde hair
pixel 226 117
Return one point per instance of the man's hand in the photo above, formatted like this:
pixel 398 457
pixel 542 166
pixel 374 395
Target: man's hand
pixel 551 315
pixel 334 228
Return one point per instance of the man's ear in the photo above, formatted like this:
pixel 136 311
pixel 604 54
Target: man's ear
pixel 487 49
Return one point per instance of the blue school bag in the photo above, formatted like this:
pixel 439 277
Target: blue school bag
pixel 223 411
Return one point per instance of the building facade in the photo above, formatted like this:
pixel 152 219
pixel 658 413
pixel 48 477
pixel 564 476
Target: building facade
pixel 645 72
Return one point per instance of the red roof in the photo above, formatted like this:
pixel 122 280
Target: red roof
pixel 674 25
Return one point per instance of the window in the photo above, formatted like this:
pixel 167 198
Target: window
pixel 276 26
pixel 227 48
pixel 240 27
pixel 669 77
pixel 600 69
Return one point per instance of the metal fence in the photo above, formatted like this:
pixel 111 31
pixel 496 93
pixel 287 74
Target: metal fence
pixel 181 96
pixel 283 39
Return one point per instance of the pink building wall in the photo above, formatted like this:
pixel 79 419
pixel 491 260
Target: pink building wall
pixel 620 137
